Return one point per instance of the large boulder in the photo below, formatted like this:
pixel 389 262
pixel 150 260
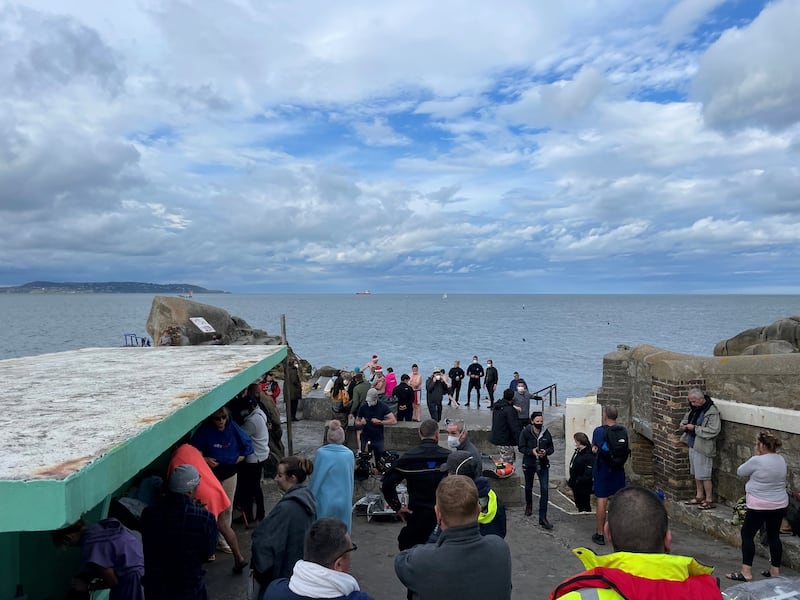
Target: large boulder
pixel 173 315
pixel 781 337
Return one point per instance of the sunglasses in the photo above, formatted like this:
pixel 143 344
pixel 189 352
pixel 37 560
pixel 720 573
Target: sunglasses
pixel 353 548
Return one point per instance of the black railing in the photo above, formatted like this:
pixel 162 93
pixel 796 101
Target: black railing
pixel 551 391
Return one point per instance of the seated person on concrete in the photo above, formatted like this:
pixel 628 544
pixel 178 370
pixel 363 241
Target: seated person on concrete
pixel 450 568
pixel 641 565
pixel 324 570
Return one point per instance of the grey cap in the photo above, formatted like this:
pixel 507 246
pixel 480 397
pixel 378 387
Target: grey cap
pixel 184 479
pixel 372 393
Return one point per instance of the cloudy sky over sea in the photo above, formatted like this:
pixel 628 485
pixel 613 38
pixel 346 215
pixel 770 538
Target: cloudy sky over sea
pixel 409 146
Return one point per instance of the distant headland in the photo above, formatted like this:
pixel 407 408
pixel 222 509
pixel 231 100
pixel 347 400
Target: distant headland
pixel 106 287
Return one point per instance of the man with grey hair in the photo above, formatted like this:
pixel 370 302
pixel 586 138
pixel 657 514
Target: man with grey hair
pixel 699 429
pixel 324 570
pixel 458 439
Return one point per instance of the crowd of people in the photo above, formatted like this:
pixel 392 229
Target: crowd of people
pixel 302 548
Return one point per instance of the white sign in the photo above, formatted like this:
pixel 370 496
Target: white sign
pixel 202 324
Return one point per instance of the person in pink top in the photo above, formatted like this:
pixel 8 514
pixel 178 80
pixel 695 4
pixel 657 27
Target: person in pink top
pixel 391 381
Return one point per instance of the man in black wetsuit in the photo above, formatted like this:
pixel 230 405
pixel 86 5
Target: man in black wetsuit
pixel 420 469
pixel 456 376
pixel 490 382
pixel 474 372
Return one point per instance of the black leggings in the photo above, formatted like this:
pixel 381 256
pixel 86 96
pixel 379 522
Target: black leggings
pixel 474 383
pixel 753 520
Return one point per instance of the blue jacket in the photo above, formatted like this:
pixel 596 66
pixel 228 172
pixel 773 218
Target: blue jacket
pixel 224 446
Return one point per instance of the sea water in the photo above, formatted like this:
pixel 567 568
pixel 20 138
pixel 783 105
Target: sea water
pixel 549 339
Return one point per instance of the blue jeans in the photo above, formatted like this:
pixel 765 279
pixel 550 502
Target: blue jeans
pixel 544 487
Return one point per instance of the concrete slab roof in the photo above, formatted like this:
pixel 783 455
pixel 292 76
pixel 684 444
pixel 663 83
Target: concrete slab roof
pixel 77 425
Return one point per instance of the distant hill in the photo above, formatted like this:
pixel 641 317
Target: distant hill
pixel 106 287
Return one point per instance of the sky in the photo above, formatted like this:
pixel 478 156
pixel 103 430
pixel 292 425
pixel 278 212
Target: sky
pixel 403 146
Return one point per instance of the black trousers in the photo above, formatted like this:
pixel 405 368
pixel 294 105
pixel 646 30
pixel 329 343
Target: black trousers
pixel 753 519
pixel 455 390
pixel 490 391
pixel 248 490
pixel 476 384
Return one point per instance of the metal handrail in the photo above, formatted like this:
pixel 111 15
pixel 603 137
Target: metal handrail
pixel 551 391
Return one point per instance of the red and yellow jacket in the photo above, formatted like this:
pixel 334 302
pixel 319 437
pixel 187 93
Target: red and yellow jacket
pixel 629 575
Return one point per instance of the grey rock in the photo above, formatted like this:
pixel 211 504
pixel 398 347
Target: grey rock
pixel 781 337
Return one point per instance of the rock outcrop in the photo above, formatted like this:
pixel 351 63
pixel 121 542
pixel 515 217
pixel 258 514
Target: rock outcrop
pixel 173 315
pixel 781 337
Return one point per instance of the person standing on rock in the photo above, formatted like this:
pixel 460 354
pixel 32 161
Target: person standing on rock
pixel 700 426
pixel 293 392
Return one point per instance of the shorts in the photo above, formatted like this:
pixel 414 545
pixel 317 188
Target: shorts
pixel 417 394
pixel 608 482
pixel 700 465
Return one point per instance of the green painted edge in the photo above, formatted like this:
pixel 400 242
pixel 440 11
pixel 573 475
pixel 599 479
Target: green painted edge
pixel 43 505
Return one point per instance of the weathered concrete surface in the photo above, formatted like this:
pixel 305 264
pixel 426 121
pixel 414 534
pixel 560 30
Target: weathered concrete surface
pixel 541 559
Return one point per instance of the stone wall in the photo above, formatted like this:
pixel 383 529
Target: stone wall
pixel 649 386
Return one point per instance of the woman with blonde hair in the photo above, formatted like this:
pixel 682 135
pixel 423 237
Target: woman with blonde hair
pixel 766 504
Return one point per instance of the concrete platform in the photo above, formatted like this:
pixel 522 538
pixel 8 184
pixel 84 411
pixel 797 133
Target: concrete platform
pixel 541 559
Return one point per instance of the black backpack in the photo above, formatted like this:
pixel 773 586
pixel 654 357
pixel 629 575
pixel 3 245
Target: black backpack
pixel 615 450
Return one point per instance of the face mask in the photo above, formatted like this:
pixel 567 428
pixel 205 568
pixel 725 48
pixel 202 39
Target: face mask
pixel 452 441
pixel 537 425
pixel 437 377
pixel 520 388
pixel 475 361
pixel 346 381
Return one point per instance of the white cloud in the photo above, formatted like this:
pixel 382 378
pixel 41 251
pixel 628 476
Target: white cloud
pixel 751 75
pixel 379 133
pixel 235 143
